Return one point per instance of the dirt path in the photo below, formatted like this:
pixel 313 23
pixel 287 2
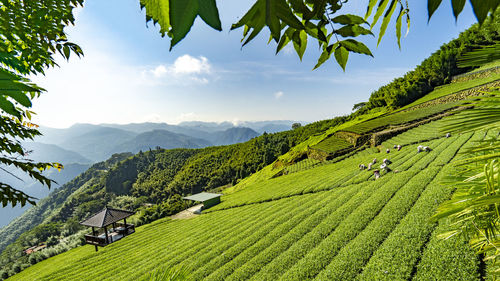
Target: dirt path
pixel 188 213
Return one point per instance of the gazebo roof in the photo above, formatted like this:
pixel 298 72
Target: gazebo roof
pixel 106 217
pixel 201 197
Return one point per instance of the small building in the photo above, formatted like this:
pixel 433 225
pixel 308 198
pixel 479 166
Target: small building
pixel 33 249
pixel 102 220
pixel 208 199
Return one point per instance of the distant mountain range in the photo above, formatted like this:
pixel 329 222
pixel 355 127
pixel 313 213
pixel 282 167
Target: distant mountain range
pixel 87 143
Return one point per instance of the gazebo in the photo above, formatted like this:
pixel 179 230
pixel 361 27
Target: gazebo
pixel 103 220
pixel 208 199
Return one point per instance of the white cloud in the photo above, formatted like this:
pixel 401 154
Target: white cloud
pixel 185 69
pixel 278 95
pixel 159 71
pixel 187 64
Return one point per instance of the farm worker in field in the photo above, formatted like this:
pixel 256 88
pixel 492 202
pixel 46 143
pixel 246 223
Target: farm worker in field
pixel 448 135
pixel 399 147
pixel 374 160
pixel 394 146
pixel 385 168
pixel 427 149
pixel 420 148
pixel 376 173
pixel 387 161
pixel 387 150
pixel 362 166
pixel 370 166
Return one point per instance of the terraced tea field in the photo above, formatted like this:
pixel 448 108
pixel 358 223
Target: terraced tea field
pixel 332 144
pixel 331 222
pixel 399 118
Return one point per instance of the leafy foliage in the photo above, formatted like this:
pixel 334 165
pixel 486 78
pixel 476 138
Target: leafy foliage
pixel 31 33
pixel 474 207
pixel 297 20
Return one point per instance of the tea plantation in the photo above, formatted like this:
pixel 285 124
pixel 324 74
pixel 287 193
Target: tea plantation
pixel 329 222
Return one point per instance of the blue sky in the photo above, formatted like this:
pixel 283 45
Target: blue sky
pixel 128 74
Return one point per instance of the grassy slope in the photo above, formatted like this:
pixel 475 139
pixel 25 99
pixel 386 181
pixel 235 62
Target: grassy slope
pixel 293 238
pixel 453 88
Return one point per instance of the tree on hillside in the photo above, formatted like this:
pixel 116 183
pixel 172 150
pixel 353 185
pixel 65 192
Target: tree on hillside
pixel 358 106
pixel 32 32
pixel 296 126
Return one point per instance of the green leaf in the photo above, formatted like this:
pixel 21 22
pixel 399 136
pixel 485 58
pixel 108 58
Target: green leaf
pixel 458 6
pixel 432 6
pixel 209 13
pixel 398 26
pixel 352 31
pixel 272 21
pixel 300 42
pixel 66 51
pixel 356 46
pixel 285 14
pixel 18 96
pixel 370 7
pixel 387 19
pixel 182 15
pixel 285 39
pixel 341 55
pixel 380 11
pixel 301 8
pixel 159 12
pixel 325 55
pixel 8 107
pixel 268 13
pixel 349 19
pixel 483 7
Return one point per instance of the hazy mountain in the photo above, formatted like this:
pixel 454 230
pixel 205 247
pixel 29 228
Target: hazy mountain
pixel 42 152
pixel 98 144
pixel 57 136
pixel 146 127
pixel 36 189
pixel 161 138
pixel 274 128
pixel 207 126
pixel 233 135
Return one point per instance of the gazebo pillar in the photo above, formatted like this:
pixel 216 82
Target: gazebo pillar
pixel 106 233
pixel 93 234
pixel 125 225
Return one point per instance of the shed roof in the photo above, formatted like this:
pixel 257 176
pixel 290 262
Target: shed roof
pixel 201 197
pixel 106 217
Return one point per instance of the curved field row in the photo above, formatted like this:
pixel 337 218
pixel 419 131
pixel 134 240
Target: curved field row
pixel 332 144
pixel 399 118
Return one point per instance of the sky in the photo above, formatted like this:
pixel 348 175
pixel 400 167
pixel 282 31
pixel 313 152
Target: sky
pixel 128 74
